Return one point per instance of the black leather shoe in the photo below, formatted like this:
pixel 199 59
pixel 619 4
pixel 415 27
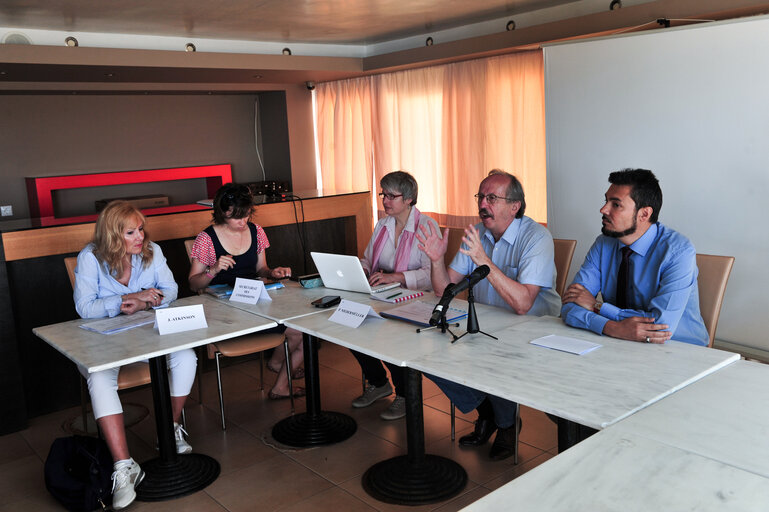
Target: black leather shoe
pixel 504 444
pixel 483 430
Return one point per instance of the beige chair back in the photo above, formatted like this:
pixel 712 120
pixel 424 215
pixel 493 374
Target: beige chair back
pixel 713 276
pixel 563 252
pixel 71 262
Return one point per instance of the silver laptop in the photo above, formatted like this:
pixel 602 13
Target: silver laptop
pixel 343 272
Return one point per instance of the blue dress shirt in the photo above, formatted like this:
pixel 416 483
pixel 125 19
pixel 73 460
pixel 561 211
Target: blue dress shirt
pixel 524 253
pixel 662 284
pixel 98 294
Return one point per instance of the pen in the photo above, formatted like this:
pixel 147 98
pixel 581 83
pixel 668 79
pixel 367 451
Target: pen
pixel 393 296
pixel 160 294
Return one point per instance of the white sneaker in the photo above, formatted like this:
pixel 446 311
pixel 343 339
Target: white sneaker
pixel 372 394
pixel 182 446
pixel 125 478
pixel 396 410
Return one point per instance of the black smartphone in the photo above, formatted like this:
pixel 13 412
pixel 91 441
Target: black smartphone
pixel 327 301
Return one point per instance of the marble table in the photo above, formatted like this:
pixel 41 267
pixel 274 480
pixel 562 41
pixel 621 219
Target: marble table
pixel 724 417
pixel 616 470
pixel 315 426
pixel 171 475
pixel 416 478
pixel 596 389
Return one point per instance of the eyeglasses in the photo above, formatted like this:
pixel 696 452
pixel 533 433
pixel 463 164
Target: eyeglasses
pixel 491 198
pixel 388 195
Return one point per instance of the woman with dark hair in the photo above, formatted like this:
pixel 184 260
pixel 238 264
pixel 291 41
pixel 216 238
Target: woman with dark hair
pixel 121 271
pixel 234 247
pixel 393 256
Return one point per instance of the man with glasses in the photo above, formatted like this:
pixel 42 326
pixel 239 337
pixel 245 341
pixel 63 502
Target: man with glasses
pixel 519 253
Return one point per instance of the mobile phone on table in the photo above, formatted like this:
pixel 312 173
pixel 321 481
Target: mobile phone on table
pixel 327 301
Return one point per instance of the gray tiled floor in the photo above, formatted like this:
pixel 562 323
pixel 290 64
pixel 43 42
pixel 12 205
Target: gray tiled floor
pixel 258 474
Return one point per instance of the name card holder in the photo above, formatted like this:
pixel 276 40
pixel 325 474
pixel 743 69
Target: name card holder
pixel 249 291
pixel 352 314
pixel 184 318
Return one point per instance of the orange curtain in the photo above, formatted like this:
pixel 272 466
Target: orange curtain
pixel 343 123
pixel 447 125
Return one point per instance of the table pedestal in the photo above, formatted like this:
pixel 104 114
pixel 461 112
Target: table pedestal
pixel 416 478
pixel 171 475
pixel 314 427
pixel 571 433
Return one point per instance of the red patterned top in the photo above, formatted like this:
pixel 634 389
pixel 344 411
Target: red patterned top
pixel 203 248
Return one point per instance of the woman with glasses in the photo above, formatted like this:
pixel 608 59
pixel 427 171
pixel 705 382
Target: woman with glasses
pixel 234 247
pixel 393 256
pixel 122 272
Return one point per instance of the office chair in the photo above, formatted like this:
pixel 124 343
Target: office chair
pixel 241 346
pixel 712 279
pixel 563 252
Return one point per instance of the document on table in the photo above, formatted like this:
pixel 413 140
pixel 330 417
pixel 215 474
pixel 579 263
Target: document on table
pixel 120 323
pixel 566 344
pixel 419 312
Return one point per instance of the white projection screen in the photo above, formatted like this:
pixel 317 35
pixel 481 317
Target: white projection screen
pixel 692 105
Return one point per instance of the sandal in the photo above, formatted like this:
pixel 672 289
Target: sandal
pixel 298 393
pixel 298 374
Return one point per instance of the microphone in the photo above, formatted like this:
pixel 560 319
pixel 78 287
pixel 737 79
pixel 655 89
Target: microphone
pixel 452 290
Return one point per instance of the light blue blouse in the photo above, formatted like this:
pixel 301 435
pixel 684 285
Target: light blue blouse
pixel 99 295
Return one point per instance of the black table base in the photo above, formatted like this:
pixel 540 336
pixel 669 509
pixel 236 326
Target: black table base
pixel 314 427
pixel 402 482
pixel 304 430
pixel 416 478
pixel 571 433
pixel 165 481
pixel 171 475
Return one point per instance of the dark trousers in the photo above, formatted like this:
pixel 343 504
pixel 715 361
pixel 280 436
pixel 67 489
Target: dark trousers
pixel 376 374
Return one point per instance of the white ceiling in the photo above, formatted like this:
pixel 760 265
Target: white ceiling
pixel 308 21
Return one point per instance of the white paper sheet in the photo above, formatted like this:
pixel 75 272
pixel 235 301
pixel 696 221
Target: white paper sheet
pixel 566 344
pixel 120 323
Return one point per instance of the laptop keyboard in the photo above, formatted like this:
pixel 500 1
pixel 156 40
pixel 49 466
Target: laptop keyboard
pixel 384 287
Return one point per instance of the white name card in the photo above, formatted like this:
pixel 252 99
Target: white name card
pixel 249 291
pixel 184 318
pixel 352 314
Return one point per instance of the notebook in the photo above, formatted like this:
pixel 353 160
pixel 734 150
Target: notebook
pixel 397 295
pixel 419 312
pixel 344 272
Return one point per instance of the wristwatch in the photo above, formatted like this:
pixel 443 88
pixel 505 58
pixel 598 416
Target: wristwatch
pixel 597 307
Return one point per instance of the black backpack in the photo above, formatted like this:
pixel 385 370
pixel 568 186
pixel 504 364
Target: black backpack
pixel 78 473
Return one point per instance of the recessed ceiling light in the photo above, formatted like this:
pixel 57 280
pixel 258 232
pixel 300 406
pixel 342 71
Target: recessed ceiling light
pixel 71 41
pixel 189 47
pixel 429 41
pixel 286 51
pixel 510 25
pixel 615 4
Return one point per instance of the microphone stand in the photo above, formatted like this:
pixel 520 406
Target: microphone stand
pixel 472 318
pixel 443 326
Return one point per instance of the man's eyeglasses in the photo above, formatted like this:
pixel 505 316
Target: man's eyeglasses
pixel 388 195
pixel 491 198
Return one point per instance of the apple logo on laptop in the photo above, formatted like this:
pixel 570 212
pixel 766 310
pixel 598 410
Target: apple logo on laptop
pixel 340 273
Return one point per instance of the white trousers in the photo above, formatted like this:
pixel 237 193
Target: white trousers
pixel 102 386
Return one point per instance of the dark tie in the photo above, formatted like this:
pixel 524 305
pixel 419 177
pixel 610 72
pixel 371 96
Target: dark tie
pixel 623 277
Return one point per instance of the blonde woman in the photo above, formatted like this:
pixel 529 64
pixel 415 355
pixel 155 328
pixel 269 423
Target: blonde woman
pixel 122 272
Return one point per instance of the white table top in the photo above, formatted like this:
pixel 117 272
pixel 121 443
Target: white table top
pixel 724 417
pixel 613 471
pixel 293 301
pixel 596 389
pixel 98 352
pixel 396 341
